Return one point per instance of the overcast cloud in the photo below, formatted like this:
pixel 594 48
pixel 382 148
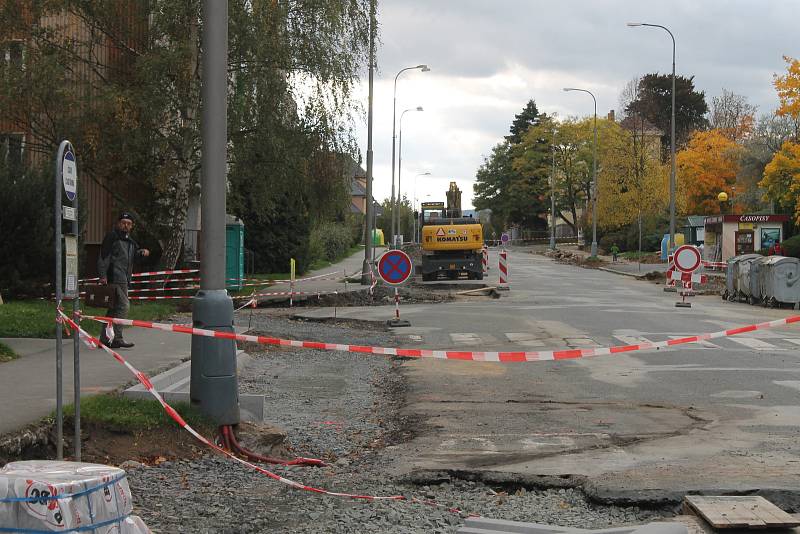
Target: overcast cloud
pixel 489 57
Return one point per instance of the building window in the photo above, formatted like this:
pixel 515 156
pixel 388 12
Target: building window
pixel 13 54
pixel 11 152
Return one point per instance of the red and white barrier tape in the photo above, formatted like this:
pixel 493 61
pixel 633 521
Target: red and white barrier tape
pixel 278 293
pixel 148 385
pixel 505 356
pixel 162 297
pixel 715 264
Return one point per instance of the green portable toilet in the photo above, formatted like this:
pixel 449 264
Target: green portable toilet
pixel 234 252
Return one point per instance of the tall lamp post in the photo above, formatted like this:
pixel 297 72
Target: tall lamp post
pixel 423 68
pixel 672 137
pixel 553 197
pixel 396 207
pixel 594 170
pixel 416 219
pixel 369 215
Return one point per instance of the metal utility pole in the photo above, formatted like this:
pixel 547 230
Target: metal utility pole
pixel 553 197
pixel 214 382
pixel 423 68
pixel 672 175
pixel 594 171
pixel 366 267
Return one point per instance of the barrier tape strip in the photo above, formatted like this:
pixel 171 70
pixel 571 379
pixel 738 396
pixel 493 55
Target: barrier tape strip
pixel 505 356
pixel 63 496
pixel 148 385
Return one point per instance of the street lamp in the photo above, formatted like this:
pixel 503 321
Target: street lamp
pixel 426 173
pixel 396 207
pixel 594 171
pixel 672 136
pixel 423 68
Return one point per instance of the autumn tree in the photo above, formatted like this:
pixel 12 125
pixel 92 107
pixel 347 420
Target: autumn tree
pixel 707 166
pixel 781 180
pixel 633 182
pixel 654 102
pixel 732 115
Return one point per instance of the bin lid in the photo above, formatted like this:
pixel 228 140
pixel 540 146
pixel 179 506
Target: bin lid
pixel 773 260
pixel 743 257
pixel 233 220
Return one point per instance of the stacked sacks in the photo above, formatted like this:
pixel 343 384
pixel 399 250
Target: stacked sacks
pixel 46 496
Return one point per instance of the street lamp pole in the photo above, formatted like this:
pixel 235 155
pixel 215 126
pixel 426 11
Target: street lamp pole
pixel 594 170
pixel 369 224
pixel 553 197
pixel 423 68
pixel 396 207
pixel 672 137
pixel 426 173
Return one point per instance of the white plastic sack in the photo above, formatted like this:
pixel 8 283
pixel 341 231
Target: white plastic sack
pixel 89 495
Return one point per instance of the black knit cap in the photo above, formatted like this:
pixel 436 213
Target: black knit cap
pixel 126 215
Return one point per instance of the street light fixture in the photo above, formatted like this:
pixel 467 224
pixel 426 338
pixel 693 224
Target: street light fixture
pixel 594 170
pixel 423 68
pixel 672 136
pixel 416 219
pixel 396 206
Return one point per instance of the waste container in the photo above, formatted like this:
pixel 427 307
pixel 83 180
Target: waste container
pixel 731 275
pixel 679 240
pixel 234 252
pixel 757 270
pixel 743 277
pixel 781 276
pixel 377 237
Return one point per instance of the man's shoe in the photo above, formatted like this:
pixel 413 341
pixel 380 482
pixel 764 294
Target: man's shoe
pixel 123 344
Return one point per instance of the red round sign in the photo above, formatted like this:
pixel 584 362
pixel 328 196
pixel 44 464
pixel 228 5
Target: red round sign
pixel 394 267
pixel 687 258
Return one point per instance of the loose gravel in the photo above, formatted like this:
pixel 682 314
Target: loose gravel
pixel 343 408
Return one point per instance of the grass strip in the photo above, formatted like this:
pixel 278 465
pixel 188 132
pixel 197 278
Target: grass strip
pixel 121 414
pixel 36 318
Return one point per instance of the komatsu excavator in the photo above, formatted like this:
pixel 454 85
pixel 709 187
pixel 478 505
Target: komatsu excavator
pixel 451 243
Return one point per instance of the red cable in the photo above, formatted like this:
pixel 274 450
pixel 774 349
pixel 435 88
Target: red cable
pixel 230 436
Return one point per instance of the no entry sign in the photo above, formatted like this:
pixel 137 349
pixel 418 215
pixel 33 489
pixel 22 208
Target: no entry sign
pixel 687 258
pixel 394 267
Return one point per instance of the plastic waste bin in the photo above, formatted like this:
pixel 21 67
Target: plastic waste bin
pixel 234 252
pixel 377 237
pixel 781 281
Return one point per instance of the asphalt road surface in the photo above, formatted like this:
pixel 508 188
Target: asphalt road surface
pixel 640 426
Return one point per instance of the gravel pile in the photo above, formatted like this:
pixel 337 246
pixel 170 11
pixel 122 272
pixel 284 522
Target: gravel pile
pixel 340 407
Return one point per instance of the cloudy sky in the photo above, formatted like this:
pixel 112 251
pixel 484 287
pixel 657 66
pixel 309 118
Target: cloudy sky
pixel 489 57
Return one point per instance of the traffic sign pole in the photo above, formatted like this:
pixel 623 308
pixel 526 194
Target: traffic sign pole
pixel 395 268
pixel 687 259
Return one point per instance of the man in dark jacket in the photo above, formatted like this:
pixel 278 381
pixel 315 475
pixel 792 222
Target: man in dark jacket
pixel 115 268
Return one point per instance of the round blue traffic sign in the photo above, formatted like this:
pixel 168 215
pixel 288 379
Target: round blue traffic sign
pixel 394 267
pixel 504 238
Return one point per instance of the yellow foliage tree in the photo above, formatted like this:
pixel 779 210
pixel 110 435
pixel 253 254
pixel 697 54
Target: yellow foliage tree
pixel 632 182
pixel 782 178
pixel 788 88
pixel 707 166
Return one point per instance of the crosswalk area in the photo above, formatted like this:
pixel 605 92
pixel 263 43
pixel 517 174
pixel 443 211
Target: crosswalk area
pixel 777 342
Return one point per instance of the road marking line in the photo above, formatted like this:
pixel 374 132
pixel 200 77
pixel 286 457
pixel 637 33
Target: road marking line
pixel 466 338
pixel 634 340
pixel 755 344
pixel 524 338
pixel 793 340
pixel 703 345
